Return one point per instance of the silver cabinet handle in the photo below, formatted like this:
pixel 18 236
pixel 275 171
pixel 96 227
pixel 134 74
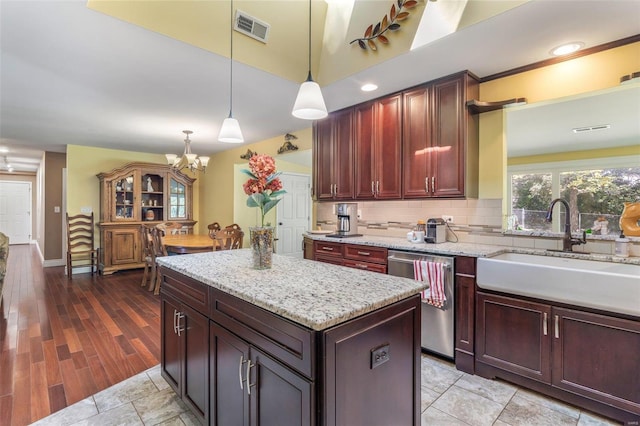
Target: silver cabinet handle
pixel 175 324
pixel 326 248
pixel 544 325
pixel 242 361
pixel 335 189
pixel 556 328
pixel 362 266
pixel 373 188
pixel 433 184
pixel 180 329
pixel 377 187
pixel 249 384
pixel 364 253
pixel 426 184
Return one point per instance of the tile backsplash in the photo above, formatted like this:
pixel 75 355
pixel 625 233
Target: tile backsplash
pixel 474 221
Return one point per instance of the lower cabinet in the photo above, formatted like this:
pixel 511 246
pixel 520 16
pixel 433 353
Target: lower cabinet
pixel 185 354
pixel 587 354
pixel 234 363
pixel 356 256
pixel 250 388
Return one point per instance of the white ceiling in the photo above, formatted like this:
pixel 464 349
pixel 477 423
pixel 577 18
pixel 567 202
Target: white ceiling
pixel 70 75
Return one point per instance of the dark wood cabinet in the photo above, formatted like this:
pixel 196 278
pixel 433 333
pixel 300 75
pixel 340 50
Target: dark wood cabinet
pixel 262 369
pixel 584 358
pixel 333 149
pixel 367 258
pixel 307 248
pixel 378 149
pixel 185 354
pixel 465 304
pixel 440 139
pixel 513 334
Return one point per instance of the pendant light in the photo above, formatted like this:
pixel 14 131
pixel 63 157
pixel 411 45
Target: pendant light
pixel 230 131
pixel 309 104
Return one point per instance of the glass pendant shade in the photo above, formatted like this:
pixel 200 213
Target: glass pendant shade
pixel 230 131
pixel 171 159
pixel 309 104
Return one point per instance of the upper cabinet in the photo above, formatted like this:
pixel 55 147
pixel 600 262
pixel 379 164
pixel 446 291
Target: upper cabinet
pixel 419 143
pixel 333 152
pixel 440 139
pixel 145 192
pixel 378 148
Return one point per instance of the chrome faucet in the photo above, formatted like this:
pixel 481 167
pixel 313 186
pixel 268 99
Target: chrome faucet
pixel 567 241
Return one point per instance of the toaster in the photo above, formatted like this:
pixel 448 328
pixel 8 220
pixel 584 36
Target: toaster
pixel 436 231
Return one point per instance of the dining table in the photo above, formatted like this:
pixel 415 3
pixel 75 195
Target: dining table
pixel 188 243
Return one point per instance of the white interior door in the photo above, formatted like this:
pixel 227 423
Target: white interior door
pixel 293 214
pixel 15 211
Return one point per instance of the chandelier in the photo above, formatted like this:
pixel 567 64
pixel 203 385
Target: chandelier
pixel 188 159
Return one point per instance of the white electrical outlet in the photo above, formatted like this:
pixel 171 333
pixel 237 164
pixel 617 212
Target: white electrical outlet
pixel 360 214
pixel 447 218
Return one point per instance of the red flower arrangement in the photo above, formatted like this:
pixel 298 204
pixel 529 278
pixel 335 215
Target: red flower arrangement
pixel 264 186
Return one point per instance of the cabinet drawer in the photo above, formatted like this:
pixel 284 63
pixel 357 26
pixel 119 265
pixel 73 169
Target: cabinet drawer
pixel 186 290
pixel 366 266
pixel 366 253
pixel 334 260
pixel 289 343
pixel 328 248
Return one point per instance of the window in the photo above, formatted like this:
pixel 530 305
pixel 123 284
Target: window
pixel 596 191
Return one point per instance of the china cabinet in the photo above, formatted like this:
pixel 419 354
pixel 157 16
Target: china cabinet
pixel 134 194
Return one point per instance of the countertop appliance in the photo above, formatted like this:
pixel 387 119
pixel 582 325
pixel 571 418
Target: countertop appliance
pixel 437 324
pixel 436 231
pixel 347 220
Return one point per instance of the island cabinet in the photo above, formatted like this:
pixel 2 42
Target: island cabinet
pixel 440 139
pixel 264 369
pixel 378 149
pixel 333 160
pixel 586 358
pixel 465 303
pixel 134 194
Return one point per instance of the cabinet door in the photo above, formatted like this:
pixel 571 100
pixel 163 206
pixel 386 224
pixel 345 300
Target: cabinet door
pixel 170 355
pixel 177 200
pixel 448 163
pixel 416 143
pixel 228 369
pixel 195 334
pixel 388 147
pixel 514 335
pixel 343 155
pixel 597 356
pixel 124 206
pixel 124 246
pixel 323 167
pixel 278 395
pixel 364 117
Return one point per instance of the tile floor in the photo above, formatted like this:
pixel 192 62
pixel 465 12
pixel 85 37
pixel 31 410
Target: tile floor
pixel 449 397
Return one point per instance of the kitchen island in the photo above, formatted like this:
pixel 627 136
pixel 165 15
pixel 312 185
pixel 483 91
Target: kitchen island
pixel 302 343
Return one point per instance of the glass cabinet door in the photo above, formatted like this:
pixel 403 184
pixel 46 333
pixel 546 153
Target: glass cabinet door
pixel 123 190
pixel 177 200
pixel 152 197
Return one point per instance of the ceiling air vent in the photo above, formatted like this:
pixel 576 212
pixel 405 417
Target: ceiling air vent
pixel 251 26
pixel 591 128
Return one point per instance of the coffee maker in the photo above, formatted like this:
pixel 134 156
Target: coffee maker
pixel 347 220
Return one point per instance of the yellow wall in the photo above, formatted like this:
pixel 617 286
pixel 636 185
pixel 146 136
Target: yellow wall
pixel 588 73
pixel 223 200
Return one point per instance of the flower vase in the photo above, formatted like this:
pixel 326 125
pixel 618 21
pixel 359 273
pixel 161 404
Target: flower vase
pixel 261 240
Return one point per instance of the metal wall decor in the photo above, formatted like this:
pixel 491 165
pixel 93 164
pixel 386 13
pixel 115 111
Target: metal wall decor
pixel 247 155
pixel 390 22
pixel 287 145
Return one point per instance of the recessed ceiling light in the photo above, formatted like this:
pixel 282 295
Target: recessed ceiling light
pixel 369 87
pixel 567 48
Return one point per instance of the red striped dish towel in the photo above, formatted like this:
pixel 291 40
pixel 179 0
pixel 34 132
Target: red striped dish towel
pixel 432 273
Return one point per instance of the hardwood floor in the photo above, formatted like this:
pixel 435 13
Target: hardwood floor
pixel 63 340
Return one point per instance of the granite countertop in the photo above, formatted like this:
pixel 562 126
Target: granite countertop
pixel 316 295
pixel 467 249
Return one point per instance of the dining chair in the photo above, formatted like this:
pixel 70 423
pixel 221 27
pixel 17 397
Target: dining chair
pixel 173 228
pixel 228 239
pixel 148 255
pixel 80 242
pixel 158 250
pixel 213 228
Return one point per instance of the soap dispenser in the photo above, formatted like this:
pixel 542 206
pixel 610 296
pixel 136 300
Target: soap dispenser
pixel 622 246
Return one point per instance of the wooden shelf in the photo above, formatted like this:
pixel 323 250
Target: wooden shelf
pixel 478 107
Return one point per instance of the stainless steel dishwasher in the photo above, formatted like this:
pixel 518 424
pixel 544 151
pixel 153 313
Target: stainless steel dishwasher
pixel 437 324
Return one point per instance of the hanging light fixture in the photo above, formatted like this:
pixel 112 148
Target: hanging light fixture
pixel 188 159
pixel 230 131
pixel 309 104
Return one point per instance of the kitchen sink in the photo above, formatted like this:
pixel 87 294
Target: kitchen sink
pixel 608 286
